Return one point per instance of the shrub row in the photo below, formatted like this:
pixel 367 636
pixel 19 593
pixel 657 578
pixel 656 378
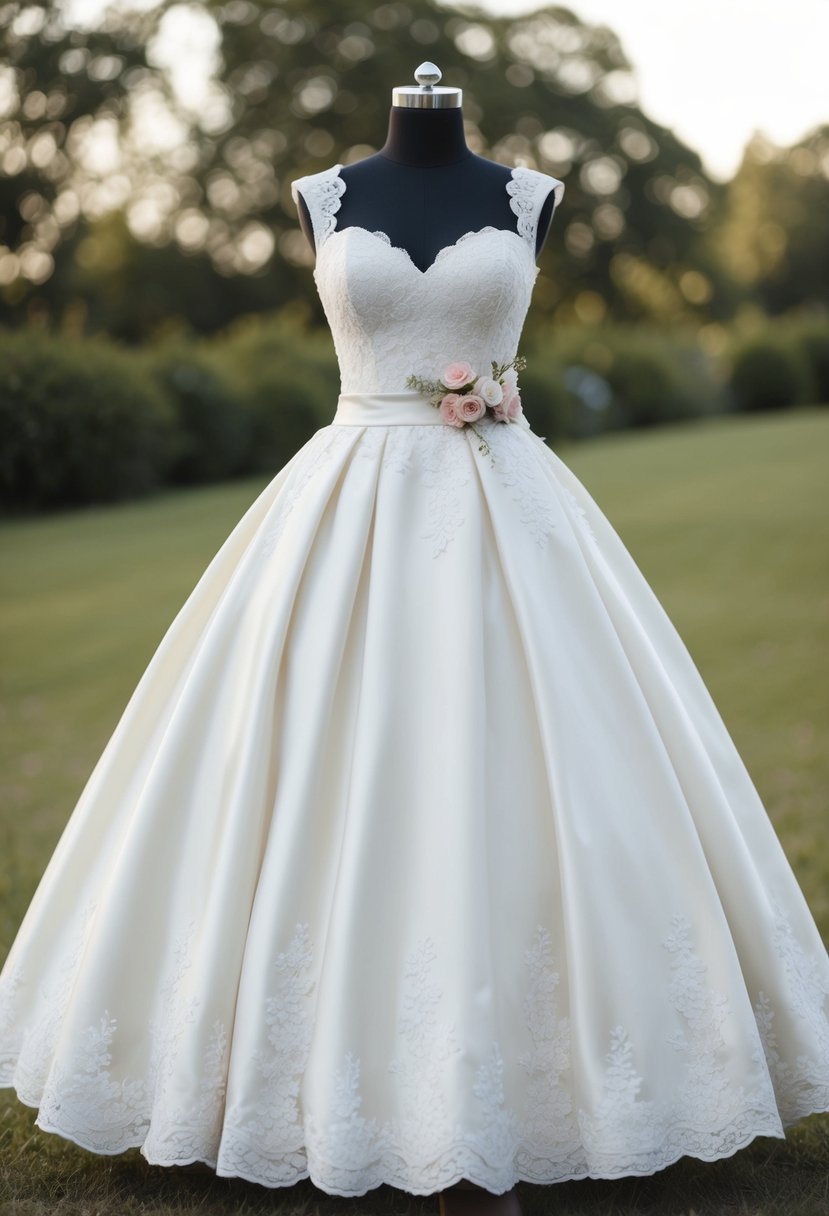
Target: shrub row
pixel 587 380
pixel 782 365
pixel 84 421
pixel 79 423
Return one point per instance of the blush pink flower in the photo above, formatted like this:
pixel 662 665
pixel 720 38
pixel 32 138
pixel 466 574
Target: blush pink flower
pixel 457 374
pixel 471 407
pixel 514 407
pixel 448 409
pixel 510 407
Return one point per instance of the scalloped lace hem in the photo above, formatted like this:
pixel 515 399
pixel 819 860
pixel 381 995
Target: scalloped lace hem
pixel 522 1163
pixel 275 1138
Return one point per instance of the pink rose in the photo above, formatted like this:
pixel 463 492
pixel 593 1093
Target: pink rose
pixel 510 407
pixel 448 409
pixel 471 407
pixel 514 407
pixel 456 375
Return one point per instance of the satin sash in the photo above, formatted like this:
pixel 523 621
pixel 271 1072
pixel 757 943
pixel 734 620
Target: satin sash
pixel 385 409
pixel 391 409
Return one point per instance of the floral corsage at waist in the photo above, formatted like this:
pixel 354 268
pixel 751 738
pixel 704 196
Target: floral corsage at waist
pixel 463 396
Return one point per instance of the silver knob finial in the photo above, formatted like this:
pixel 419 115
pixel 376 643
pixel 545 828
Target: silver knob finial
pixel 427 94
pixel 428 75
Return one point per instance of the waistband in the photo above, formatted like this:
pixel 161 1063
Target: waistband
pixel 385 409
pixel 397 409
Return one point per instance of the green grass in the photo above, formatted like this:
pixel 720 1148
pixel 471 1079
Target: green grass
pixel 729 520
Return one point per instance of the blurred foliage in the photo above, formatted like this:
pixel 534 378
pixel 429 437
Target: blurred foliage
pixel 62 91
pixel 773 238
pixel 129 208
pixel 287 380
pixel 811 336
pixel 780 363
pixel 769 373
pixel 215 430
pixel 89 420
pixel 79 422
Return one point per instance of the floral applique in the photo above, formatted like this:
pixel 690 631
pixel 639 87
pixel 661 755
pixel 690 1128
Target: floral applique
pixel 421 1147
pixel 320 450
pixel 579 512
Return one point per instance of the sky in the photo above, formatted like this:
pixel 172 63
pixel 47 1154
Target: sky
pixel 714 71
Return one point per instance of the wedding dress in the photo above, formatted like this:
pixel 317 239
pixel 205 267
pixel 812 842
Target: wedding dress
pixel 420 850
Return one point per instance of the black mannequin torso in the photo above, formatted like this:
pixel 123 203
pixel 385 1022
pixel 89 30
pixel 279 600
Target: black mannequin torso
pixel 424 189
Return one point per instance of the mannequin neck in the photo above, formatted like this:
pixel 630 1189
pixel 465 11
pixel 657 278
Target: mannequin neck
pixel 425 138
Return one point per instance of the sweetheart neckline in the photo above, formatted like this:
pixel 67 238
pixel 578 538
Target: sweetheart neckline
pixel 384 239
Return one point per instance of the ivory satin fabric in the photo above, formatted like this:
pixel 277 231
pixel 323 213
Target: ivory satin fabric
pixel 420 850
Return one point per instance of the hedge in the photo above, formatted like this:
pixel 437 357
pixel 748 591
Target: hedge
pixel 80 422
pixel 87 420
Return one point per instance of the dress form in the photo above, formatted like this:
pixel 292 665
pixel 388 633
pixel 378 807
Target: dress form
pixel 425 188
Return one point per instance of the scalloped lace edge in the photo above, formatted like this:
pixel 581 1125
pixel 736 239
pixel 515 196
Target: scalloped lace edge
pixel 322 193
pixel 346 1153
pixel 461 1162
pixel 527 188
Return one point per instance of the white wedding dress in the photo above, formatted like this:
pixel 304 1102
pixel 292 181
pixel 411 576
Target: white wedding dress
pixel 420 850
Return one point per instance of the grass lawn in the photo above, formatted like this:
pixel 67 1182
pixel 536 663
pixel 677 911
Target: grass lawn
pixel 729 520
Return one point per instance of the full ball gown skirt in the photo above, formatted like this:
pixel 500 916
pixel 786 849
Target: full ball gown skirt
pixel 420 850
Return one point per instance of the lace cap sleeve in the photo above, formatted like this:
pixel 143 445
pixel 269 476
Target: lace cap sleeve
pixel 322 193
pixel 528 188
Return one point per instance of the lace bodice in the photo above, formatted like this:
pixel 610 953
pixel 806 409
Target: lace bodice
pixel 388 318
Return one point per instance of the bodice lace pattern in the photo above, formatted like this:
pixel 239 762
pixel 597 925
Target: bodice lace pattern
pixel 389 319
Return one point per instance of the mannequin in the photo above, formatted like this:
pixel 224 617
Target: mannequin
pixel 425 188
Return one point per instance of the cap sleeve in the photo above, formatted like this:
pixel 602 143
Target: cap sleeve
pixel 528 190
pixel 322 193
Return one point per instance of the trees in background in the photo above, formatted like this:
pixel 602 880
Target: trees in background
pixel 133 206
